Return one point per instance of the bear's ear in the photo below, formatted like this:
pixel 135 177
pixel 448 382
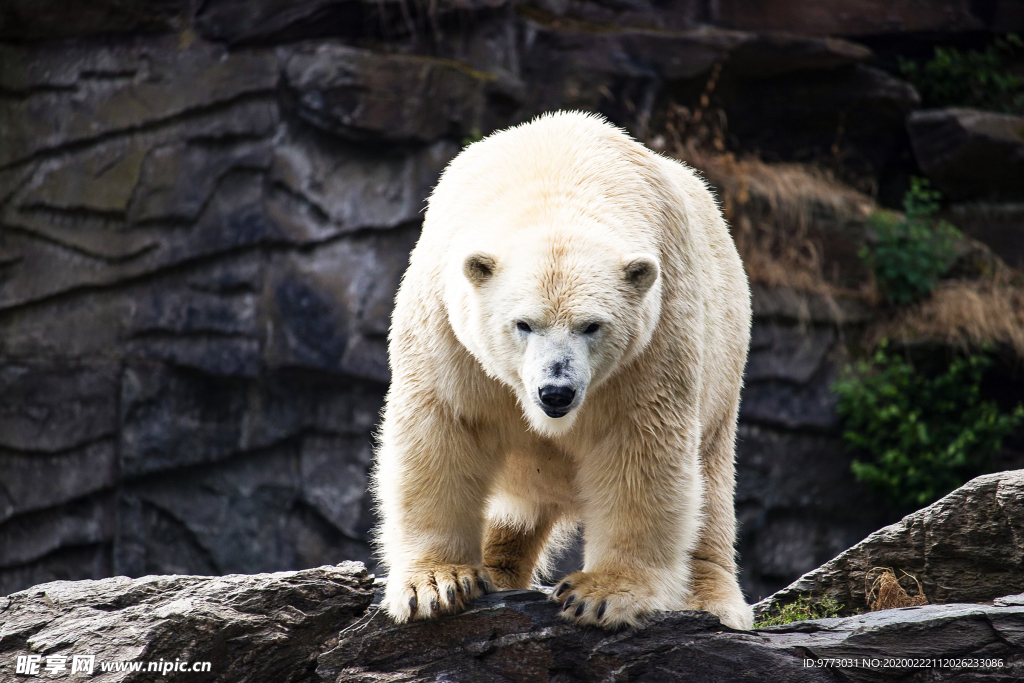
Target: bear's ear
pixel 479 268
pixel 641 271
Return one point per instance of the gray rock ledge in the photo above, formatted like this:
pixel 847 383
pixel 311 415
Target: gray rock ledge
pixel 260 627
pixel 284 627
pixel 518 636
pixel 965 547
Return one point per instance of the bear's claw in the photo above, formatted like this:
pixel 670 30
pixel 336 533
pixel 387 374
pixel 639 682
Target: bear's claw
pixel 424 592
pixel 602 599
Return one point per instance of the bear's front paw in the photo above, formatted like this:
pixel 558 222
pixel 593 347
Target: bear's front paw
pixel 429 590
pixel 604 599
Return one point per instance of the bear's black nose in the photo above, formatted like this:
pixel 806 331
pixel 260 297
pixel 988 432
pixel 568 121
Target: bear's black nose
pixel 555 396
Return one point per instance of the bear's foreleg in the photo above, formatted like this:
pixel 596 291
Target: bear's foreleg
pixel 432 479
pixel 641 504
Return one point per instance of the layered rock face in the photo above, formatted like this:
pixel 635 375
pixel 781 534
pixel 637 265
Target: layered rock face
pixel 796 501
pixel 970 153
pixel 205 210
pixel 965 547
pixel 195 301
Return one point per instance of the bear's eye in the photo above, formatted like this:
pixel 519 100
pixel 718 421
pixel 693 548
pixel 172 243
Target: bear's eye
pixel 523 327
pixel 592 328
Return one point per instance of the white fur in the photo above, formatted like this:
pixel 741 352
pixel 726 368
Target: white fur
pixel 559 224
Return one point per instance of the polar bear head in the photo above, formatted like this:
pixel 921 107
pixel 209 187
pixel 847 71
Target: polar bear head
pixel 554 315
pixel 550 234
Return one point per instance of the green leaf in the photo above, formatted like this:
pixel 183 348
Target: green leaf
pixel 909 256
pixel 916 436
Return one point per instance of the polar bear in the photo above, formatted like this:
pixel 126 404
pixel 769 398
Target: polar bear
pixel 567 346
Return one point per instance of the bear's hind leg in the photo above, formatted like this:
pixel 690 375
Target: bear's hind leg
pixel 713 584
pixel 511 551
pixel 527 512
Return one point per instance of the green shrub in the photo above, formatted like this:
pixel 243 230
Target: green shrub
pixel 919 436
pixel 800 610
pixel 909 255
pixel 992 79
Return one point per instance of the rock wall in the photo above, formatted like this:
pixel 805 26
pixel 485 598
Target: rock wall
pixel 195 301
pixel 796 501
pixel 206 207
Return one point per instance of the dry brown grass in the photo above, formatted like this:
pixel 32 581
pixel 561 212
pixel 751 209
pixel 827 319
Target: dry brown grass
pixel 778 212
pixel 963 314
pixel 797 226
pixel 885 591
